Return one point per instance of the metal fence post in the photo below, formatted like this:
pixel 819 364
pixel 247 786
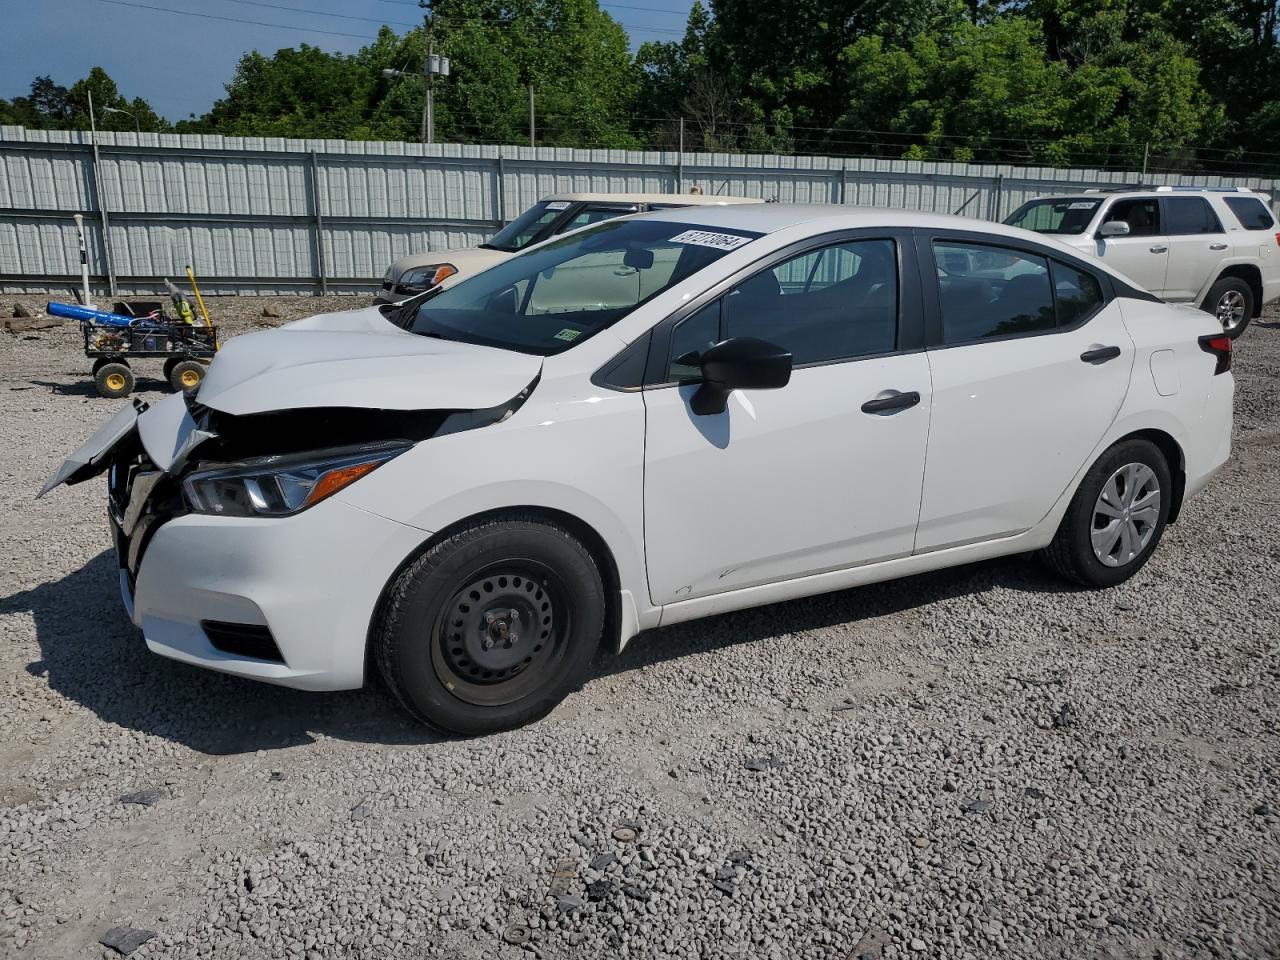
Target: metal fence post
pixel 844 182
pixel 502 191
pixel 680 161
pixel 997 191
pixel 105 218
pixel 319 225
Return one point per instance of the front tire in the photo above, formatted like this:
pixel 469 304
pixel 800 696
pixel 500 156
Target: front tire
pixel 492 627
pixel 1116 517
pixel 1231 301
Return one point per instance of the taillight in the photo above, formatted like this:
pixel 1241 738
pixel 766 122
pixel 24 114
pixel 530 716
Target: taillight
pixel 1218 344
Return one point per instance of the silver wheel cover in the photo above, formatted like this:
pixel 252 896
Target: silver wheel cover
pixel 1125 515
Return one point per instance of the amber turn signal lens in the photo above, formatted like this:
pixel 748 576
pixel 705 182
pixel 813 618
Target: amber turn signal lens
pixel 335 480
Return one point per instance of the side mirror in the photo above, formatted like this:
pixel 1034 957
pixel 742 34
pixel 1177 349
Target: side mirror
pixel 1114 228
pixel 739 363
pixel 637 258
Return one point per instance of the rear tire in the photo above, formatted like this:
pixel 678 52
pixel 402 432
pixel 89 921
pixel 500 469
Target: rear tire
pixel 1231 301
pixel 114 380
pixel 492 627
pixel 1116 517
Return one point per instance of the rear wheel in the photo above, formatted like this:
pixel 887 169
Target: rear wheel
pixel 1116 517
pixel 1231 301
pixel 186 375
pixel 492 627
pixel 114 380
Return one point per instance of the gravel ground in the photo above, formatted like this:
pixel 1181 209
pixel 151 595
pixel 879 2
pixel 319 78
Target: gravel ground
pixel 973 763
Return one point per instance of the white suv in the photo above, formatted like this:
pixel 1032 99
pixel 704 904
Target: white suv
pixel 1216 248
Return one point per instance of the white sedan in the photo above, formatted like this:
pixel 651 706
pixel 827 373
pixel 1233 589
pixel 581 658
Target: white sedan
pixel 655 419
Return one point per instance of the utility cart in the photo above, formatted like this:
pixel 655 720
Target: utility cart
pixel 186 351
pixel 141 329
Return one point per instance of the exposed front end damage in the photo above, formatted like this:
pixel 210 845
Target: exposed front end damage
pixel 224 590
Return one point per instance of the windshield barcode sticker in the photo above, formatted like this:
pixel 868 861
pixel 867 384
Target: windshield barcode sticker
pixel 558 205
pixel 1084 205
pixel 705 238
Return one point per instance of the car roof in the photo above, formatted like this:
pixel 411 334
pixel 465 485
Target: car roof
pixel 690 199
pixel 771 217
pixel 1160 190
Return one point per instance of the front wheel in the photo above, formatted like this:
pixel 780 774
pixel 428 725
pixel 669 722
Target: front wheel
pixel 491 627
pixel 1116 517
pixel 1231 301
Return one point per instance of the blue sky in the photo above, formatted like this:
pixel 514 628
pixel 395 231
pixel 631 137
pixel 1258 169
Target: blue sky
pixel 180 63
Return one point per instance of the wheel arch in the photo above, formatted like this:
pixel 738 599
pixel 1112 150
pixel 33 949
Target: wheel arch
pixel 590 538
pixel 1173 456
pixel 1251 275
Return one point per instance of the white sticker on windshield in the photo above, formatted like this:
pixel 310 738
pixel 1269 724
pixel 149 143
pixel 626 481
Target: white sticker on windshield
pixel 1084 205
pixel 558 205
pixel 705 238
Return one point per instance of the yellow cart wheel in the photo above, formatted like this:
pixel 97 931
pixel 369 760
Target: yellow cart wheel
pixel 113 380
pixel 186 377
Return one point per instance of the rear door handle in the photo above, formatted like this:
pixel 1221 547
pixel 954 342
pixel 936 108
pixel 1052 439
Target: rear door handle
pixel 1217 246
pixel 1159 248
pixel 898 401
pixel 1100 354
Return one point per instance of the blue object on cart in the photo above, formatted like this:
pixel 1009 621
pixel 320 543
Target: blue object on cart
pixel 73 311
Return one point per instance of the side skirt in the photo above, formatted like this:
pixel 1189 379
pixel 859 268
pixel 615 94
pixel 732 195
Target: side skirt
pixel 1029 540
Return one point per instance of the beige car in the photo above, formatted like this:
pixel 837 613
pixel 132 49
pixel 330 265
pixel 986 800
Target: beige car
pixel 556 214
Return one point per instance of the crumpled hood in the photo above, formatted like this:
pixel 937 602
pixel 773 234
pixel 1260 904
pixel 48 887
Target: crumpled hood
pixel 359 359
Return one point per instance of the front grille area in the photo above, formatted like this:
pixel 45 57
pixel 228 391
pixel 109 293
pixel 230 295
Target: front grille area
pixel 134 523
pixel 250 640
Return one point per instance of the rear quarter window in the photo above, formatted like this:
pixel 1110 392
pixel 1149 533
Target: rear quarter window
pixel 1251 212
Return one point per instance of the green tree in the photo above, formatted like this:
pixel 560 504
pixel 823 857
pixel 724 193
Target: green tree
pixel 50 106
pixel 576 57
pixel 309 93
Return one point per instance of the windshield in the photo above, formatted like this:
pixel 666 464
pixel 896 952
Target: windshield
pixel 519 233
pixel 567 290
pixel 1068 216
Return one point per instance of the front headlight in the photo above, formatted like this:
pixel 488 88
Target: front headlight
pixel 282 485
pixel 424 278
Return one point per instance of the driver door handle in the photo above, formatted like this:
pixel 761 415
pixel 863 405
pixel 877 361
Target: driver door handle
pixel 1217 246
pixel 1100 354
pixel 899 401
pixel 1160 248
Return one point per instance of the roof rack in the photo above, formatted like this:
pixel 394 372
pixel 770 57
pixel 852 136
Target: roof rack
pixel 1166 188
pixel 1171 189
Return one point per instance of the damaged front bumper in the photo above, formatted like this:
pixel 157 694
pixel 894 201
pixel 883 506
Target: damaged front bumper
pixel 248 596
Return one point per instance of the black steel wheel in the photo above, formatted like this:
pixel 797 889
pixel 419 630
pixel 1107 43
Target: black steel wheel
pixel 492 626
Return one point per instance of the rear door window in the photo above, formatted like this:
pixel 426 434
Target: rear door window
pixel 1190 215
pixel 1077 293
pixel 990 291
pixel 1251 212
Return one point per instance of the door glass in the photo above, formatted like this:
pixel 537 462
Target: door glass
pixel 1078 294
pixel 589 215
pixel 520 232
pixel 989 291
pixel 834 303
pixel 1188 215
pixel 692 336
pixel 1142 215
